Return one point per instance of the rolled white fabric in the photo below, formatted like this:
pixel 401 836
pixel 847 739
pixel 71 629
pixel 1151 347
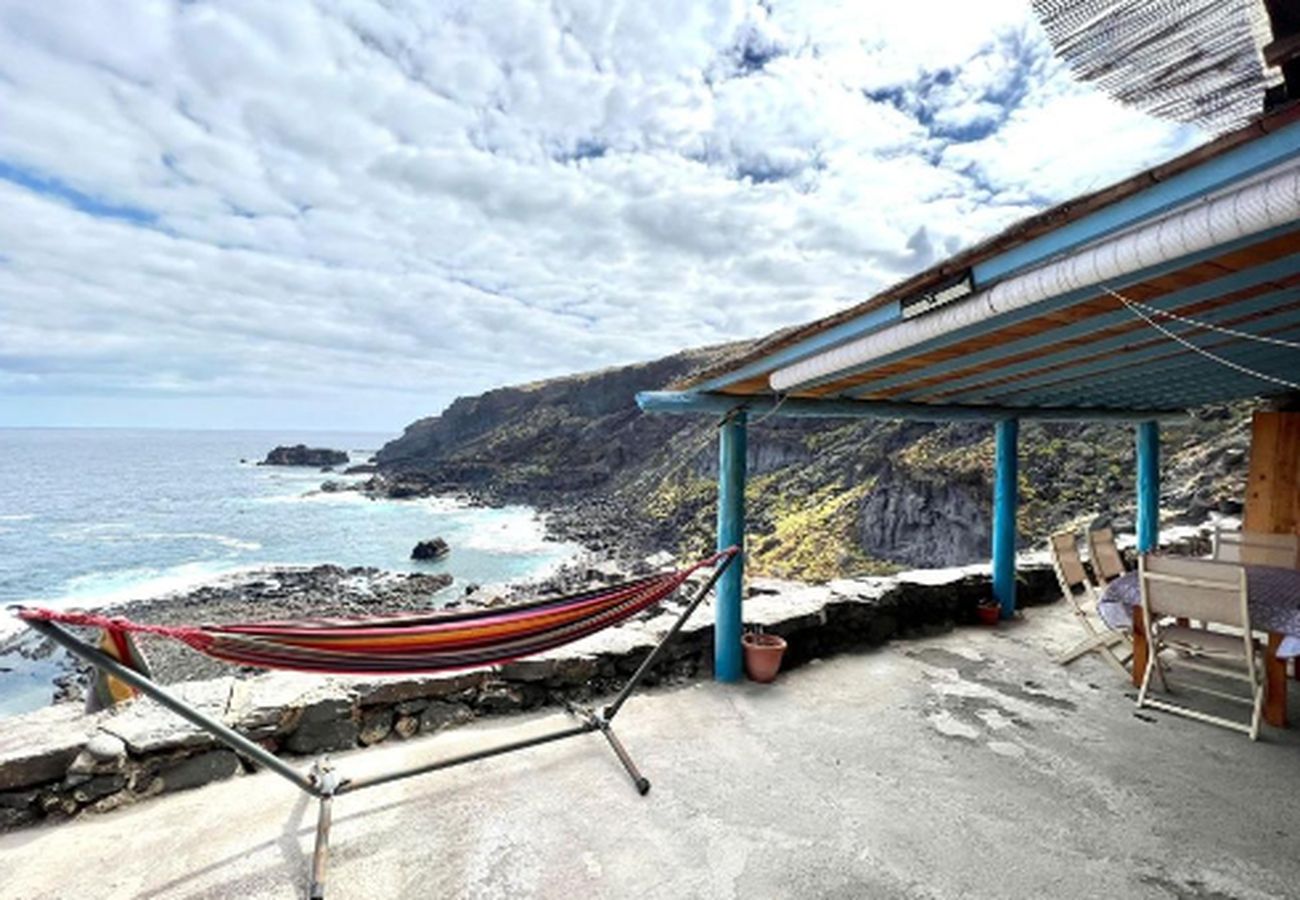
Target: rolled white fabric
pixel 1264 204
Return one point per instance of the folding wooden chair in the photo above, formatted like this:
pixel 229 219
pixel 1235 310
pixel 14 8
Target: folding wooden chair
pixel 1257 548
pixel 1079 593
pixel 1210 592
pixel 1107 564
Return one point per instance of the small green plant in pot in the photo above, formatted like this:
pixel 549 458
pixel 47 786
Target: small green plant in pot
pixel 763 654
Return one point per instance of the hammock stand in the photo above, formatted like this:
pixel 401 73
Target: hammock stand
pixel 322 781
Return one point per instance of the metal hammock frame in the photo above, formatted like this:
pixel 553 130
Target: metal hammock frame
pixel 324 783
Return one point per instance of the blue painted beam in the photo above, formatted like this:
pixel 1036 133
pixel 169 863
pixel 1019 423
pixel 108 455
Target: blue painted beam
pixel 1038 309
pixel 1238 390
pixel 1045 341
pixel 1192 184
pixel 1006 471
pixel 854 328
pixel 1078 384
pixel 1194 379
pixel 1178 372
pixel 1053 367
pixel 1144 361
pixel 696 403
pixel 729 621
pixel 1148 486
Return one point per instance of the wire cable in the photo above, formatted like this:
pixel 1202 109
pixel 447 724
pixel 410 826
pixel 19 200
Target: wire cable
pixel 1263 376
pixel 1210 326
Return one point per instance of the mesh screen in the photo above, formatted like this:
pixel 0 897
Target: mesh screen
pixel 1194 61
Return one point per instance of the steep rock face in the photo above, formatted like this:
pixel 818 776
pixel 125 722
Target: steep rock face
pixel 925 520
pixel 560 436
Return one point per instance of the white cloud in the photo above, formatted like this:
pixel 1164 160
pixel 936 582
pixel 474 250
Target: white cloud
pixel 270 206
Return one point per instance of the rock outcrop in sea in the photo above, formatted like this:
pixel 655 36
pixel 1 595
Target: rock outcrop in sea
pixel 302 455
pixel 432 549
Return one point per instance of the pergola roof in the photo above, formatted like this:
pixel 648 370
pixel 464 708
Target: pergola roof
pixel 1065 340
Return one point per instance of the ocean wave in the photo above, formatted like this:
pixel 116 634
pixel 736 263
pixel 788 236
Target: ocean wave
pixel 103 532
pixel 224 540
pixel 445 504
pixel 513 533
pixel 122 533
pixel 335 497
pixel 106 587
pixel 17 517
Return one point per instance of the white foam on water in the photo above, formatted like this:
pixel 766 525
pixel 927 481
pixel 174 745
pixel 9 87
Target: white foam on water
pixel 225 540
pixel 101 532
pixel 447 504
pixel 511 531
pixel 139 582
pixel 17 517
pixel 104 588
pixel 332 497
pixel 122 533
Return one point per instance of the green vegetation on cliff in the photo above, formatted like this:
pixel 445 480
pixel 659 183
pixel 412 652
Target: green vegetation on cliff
pixel 824 497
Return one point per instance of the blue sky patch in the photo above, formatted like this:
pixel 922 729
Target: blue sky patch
pixel 53 187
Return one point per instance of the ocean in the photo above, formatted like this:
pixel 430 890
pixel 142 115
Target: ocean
pixel 93 516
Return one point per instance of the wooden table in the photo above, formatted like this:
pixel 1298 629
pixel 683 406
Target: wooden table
pixel 1274 673
pixel 1273 595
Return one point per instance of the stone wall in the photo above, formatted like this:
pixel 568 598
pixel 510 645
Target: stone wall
pixel 59 762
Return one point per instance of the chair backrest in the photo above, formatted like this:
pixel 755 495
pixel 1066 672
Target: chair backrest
pixel 1201 589
pixel 1257 548
pixel 1065 559
pixel 1107 564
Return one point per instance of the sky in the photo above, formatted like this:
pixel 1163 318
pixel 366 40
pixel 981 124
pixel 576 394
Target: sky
pixel 343 214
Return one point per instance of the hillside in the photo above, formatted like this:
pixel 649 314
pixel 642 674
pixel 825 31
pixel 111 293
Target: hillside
pixel 825 497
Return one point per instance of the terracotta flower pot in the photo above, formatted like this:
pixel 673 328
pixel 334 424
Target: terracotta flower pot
pixel 763 654
pixel 988 613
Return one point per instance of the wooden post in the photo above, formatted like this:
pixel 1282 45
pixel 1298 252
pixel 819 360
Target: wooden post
pixel 728 621
pixel 1273 507
pixel 1148 486
pixel 1273 488
pixel 1005 464
pixel 1274 683
pixel 1141 649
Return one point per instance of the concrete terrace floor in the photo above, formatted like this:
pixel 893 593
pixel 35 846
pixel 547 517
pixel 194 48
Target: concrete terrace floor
pixel 960 765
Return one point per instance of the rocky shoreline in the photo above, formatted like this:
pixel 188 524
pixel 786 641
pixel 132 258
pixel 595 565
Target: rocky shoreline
pixel 601 524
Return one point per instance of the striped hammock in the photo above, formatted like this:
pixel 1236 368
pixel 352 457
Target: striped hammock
pixel 405 643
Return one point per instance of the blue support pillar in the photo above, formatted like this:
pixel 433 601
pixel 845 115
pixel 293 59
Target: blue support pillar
pixel 1006 467
pixel 731 532
pixel 1148 486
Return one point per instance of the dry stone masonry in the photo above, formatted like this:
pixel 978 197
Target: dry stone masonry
pixel 58 762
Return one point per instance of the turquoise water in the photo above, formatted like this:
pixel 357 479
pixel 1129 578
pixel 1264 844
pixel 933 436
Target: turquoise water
pixel 91 516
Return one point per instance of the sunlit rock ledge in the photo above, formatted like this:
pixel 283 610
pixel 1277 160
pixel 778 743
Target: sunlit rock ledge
pixel 59 762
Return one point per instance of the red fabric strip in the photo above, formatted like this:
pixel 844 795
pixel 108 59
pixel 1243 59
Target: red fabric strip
pixel 306 647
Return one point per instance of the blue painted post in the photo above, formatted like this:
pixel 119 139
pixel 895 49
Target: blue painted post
pixel 1148 486
pixel 1006 467
pixel 731 532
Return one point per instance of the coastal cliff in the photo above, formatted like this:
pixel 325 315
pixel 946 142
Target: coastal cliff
pixel 825 498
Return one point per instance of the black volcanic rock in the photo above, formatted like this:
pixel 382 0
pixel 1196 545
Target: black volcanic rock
pixel 302 455
pixel 436 548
